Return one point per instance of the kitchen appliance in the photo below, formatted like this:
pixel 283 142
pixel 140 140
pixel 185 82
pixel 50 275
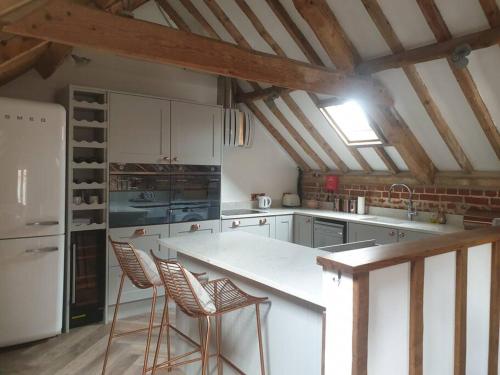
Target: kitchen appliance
pixel 151 194
pixel 264 201
pixel 290 200
pixel 32 166
pixel 329 232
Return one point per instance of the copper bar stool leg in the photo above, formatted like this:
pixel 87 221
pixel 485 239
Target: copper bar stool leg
pixel 218 328
pixel 205 356
pixel 160 337
pixel 150 331
pixel 167 316
pixel 112 331
pixel 259 334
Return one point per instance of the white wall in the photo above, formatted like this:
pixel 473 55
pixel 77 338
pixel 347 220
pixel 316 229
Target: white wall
pixel 263 168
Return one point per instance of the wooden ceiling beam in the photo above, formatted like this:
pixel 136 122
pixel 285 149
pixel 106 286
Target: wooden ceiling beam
pixel 491 11
pixel 77 25
pixel 299 38
pixel 291 104
pixel 209 30
pixel 389 163
pixel 52 59
pixel 464 78
pixel 170 11
pixel 325 26
pixel 261 94
pixel 329 32
pixel 236 35
pixel 480 39
pixel 382 23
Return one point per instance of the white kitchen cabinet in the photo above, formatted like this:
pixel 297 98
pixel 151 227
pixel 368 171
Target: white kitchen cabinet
pixel 139 129
pixel 196 136
pixel 411 235
pixel 381 235
pixel 262 226
pixel 303 230
pixel 143 238
pixel 284 228
pixel 193 229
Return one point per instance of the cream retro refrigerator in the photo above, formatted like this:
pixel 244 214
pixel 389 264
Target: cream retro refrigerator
pixel 32 196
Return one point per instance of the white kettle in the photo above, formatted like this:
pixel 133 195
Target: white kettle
pixel 264 201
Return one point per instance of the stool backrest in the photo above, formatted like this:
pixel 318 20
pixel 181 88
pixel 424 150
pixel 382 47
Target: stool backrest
pixel 178 286
pixel 130 264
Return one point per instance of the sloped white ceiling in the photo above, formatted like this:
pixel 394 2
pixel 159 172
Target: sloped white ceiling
pixel 461 16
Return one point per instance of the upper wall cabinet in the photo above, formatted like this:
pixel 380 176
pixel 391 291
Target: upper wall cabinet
pixel 196 134
pixel 139 129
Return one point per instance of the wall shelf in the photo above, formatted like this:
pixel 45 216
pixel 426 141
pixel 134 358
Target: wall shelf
pixel 85 165
pixel 86 206
pixel 86 144
pixel 89 124
pixel 88 186
pixel 82 227
pixel 89 105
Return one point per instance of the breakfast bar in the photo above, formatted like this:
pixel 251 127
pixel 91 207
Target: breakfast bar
pixel 286 273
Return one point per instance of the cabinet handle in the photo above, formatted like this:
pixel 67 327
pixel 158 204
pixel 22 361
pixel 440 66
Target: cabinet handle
pixel 195 227
pixel 42 223
pixel 392 233
pixel 175 158
pixel 236 223
pixel 42 250
pixel 140 232
pixel 166 158
pixel 262 221
pixel 308 220
pixel 402 234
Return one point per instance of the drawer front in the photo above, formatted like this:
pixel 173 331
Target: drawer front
pixel 143 238
pixel 262 226
pixel 130 292
pixel 193 228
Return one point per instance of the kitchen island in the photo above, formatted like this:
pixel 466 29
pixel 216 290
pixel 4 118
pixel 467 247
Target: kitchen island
pixel 292 320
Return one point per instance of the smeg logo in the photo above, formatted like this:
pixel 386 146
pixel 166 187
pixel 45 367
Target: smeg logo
pixel 40 120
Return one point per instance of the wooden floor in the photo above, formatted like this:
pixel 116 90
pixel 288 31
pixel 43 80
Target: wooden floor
pixel 81 351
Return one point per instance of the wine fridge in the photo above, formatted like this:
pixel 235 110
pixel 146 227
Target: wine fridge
pixel 87 277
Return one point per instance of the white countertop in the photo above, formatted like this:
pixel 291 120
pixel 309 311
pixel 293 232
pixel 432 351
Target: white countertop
pixel 280 265
pixel 362 219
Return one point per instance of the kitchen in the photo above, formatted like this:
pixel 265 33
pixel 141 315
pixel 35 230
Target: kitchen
pixel 260 185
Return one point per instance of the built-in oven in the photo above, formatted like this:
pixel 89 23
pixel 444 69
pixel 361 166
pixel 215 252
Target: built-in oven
pixel 195 193
pixel 150 194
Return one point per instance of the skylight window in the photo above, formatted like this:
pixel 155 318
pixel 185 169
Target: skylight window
pixel 351 123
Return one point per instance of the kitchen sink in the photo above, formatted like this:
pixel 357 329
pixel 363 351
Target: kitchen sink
pixel 383 220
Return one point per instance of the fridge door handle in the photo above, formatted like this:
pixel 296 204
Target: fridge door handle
pixel 73 275
pixel 40 223
pixel 42 250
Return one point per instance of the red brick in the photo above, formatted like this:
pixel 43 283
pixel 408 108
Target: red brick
pixel 495 201
pixel 419 190
pixel 430 190
pixel 405 195
pixel 451 191
pixel 451 206
pixel 429 197
pixel 374 194
pixel 477 200
pixel 477 192
pixel 452 198
pixel 491 193
pixel 464 191
pixel 440 191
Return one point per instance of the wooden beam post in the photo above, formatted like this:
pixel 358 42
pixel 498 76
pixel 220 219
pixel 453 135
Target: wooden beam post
pixel 416 317
pixel 361 303
pixel 461 312
pixel 261 94
pixel 67 23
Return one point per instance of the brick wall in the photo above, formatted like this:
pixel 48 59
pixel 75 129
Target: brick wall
pixel 427 198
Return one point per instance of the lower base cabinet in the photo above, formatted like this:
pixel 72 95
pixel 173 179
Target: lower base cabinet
pixel 193 229
pixel 261 226
pixel 284 228
pixel 383 235
pixel 303 230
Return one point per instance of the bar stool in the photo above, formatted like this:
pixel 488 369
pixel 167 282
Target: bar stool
pixel 142 272
pixel 203 301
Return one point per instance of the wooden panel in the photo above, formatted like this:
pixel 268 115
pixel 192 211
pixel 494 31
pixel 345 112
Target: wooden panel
pixel 294 31
pixel 494 310
pixel 463 76
pixel 329 32
pixel 461 312
pixel 8 6
pixel 480 39
pixel 80 26
pixel 387 32
pixel 361 303
pixel 372 258
pixel 416 317
pixel 13 67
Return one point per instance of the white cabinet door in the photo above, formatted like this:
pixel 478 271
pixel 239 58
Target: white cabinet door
pixel 261 226
pixel 303 230
pixel 284 228
pixel 196 134
pixel 381 235
pixel 143 238
pixel 411 235
pixel 193 229
pixel 139 129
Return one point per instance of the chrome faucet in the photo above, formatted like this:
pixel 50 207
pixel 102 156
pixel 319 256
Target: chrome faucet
pixel 411 210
